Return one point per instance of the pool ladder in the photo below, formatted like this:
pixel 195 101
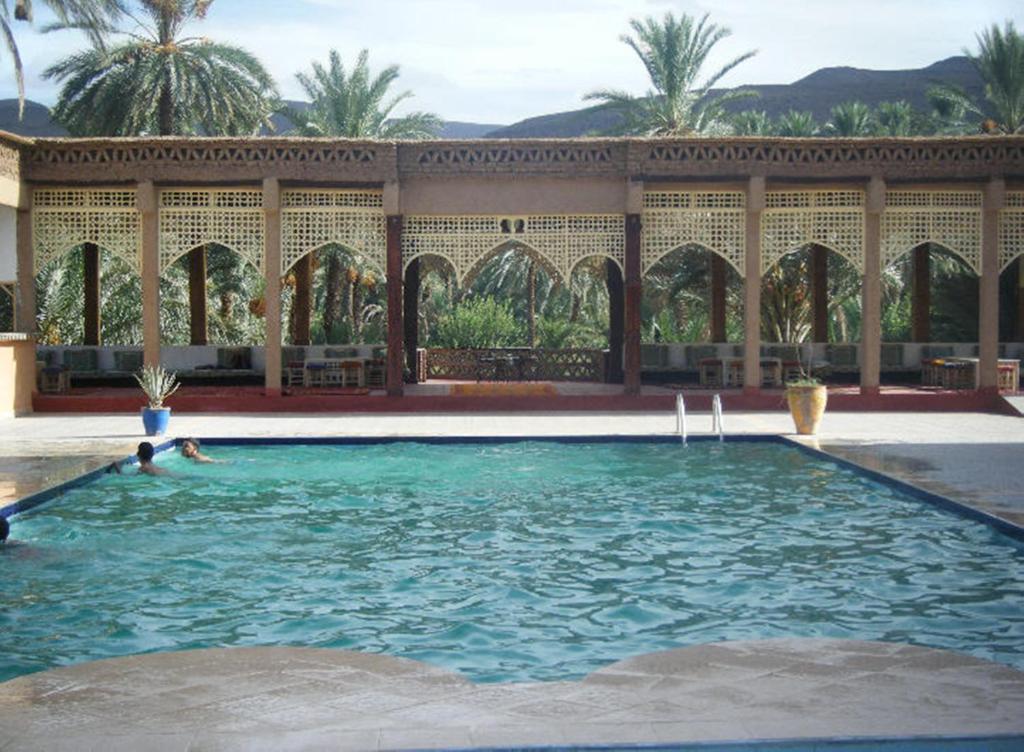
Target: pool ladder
pixel 681 417
pixel 716 417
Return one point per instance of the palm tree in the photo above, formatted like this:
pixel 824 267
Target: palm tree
pixel 674 51
pixel 1000 61
pixel 850 120
pixel 91 16
pixel 753 123
pixel 160 82
pixel 797 124
pixel 353 104
pixel 896 119
pixel 356 104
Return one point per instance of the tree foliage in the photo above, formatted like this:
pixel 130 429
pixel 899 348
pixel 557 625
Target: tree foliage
pixel 91 16
pixel 675 51
pixel 156 81
pixel 357 104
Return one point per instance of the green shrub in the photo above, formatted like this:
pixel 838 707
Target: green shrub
pixel 478 322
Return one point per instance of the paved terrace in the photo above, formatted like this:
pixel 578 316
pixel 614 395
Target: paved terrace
pixel 287 698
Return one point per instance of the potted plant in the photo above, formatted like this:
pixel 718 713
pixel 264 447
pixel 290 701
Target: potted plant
pixel 807 397
pixel 158 384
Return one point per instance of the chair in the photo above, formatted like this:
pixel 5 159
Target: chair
pixel 376 373
pixel 295 373
pixel 54 380
pixel 710 372
pixel 771 372
pixel 1009 377
pixel 734 373
pixel 351 373
pixel 334 374
pixel 314 374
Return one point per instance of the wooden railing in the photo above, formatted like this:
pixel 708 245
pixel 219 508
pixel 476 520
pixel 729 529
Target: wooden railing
pixel 517 364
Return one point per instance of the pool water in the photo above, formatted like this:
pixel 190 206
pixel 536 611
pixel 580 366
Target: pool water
pixel 507 562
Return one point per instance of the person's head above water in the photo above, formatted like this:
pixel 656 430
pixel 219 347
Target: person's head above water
pixel 190 447
pixel 145 452
pixel 5 528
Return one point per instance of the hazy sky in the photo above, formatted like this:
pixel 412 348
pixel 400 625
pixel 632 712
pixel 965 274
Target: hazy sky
pixel 498 61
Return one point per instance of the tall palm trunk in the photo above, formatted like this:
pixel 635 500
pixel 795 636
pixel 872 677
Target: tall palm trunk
pixel 531 313
pixel 332 296
pixel 357 323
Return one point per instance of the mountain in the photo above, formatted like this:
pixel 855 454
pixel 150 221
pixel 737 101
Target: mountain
pixel 818 93
pixel 37 123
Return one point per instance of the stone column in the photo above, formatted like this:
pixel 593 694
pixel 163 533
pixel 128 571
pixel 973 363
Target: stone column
pixel 717 298
pixel 988 308
pixel 871 290
pixel 147 202
pixel 395 386
pixel 634 291
pixel 819 292
pixel 752 288
pixel 411 314
pixel 25 296
pixel 616 320
pixel 91 278
pixel 921 294
pixel 197 295
pixel 303 302
pixel 272 286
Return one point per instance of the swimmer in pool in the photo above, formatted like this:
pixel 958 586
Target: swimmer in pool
pixel 5 529
pixel 145 455
pixel 190 451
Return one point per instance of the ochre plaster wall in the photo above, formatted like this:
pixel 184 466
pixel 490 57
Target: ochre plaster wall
pixel 17 377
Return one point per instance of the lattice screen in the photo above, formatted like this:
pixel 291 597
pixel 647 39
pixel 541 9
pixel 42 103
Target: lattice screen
pixel 1011 229
pixel 560 241
pixel 65 218
pixel 714 220
pixel 793 219
pixel 951 219
pixel 312 219
pixel 193 217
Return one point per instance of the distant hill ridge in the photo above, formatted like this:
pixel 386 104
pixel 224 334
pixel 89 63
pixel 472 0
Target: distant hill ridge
pixel 817 93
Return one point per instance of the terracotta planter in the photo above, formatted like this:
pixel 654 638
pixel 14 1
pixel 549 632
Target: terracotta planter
pixel 807 406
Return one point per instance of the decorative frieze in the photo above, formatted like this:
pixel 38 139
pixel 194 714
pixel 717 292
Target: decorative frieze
pixel 714 220
pixel 65 218
pixel 792 220
pixel 312 219
pixel 951 219
pixel 564 157
pixel 1011 229
pixel 193 217
pixel 559 242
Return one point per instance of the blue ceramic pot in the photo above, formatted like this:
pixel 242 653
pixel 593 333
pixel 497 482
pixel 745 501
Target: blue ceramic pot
pixel 155 420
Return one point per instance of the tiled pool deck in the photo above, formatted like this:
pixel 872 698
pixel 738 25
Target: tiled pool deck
pixel 278 698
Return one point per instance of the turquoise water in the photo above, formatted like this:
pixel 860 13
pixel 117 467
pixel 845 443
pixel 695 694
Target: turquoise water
pixel 509 562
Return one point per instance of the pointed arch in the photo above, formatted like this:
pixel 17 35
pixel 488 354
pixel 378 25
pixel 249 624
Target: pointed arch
pixel 856 262
pixel 65 218
pixel 513 244
pixel 195 217
pixel 691 245
pixel 576 264
pixel 353 219
pixel 951 219
pixel 376 263
pixel 425 255
pixel 943 248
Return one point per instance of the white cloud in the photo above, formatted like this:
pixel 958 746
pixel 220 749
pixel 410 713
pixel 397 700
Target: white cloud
pixel 492 61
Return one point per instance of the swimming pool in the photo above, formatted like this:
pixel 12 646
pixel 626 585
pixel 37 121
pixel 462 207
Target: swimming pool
pixel 508 561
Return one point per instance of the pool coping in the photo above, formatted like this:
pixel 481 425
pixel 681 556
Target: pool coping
pixel 946 503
